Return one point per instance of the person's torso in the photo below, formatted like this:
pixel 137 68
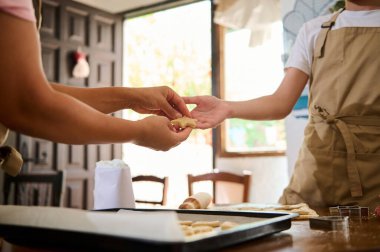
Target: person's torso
pixel 302 52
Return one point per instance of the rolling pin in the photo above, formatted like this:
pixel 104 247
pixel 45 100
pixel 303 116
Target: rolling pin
pixel 199 200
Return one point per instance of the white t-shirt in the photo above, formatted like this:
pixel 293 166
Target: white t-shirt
pixel 302 51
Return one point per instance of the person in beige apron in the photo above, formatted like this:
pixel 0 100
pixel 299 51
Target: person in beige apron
pixel 339 161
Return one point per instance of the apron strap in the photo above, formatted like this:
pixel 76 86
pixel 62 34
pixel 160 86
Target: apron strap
pixel 321 39
pixel 341 123
pixel 352 169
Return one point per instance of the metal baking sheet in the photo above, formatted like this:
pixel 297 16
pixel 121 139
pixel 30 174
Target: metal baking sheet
pixel 252 225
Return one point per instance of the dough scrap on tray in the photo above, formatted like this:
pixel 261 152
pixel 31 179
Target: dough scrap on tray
pixel 192 228
pixel 303 209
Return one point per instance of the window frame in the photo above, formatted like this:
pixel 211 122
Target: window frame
pixel 220 133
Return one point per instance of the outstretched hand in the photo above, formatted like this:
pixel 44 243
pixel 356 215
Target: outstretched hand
pixel 209 111
pixel 159 101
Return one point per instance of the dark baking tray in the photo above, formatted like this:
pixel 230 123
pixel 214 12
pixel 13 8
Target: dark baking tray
pixel 269 223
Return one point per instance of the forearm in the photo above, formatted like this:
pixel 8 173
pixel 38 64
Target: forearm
pixel 29 105
pixel 275 106
pixel 263 108
pixel 103 99
pixel 61 118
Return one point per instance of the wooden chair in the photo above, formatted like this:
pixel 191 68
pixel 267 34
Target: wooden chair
pixel 215 177
pixel 34 189
pixel 154 179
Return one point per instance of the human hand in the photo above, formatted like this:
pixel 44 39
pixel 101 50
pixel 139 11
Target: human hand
pixel 159 134
pixel 159 101
pixel 209 112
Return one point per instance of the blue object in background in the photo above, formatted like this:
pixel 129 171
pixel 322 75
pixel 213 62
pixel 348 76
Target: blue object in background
pixel 301 103
pixel 300 110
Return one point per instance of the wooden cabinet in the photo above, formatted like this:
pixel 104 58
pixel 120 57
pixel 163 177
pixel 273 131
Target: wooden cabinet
pixel 67 25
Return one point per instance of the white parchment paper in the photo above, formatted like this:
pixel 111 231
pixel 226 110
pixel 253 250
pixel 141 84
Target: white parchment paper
pixel 155 226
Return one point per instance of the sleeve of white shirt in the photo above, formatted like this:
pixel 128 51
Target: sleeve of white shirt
pixel 299 56
pixel 20 8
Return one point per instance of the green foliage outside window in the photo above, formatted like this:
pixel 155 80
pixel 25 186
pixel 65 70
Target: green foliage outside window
pixel 249 135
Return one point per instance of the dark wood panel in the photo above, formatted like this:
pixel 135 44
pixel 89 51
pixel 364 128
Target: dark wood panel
pixel 38 154
pixel 102 71
pixel 104 152
pixel 51 18
pixel 76 193
pixel 103 33
pixel 75 27
pixel 72 157
pixel 50 60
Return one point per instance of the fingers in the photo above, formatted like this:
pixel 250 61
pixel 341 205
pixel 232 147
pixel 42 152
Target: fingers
pixel 203 125
pixel 191 99
pixel 184 134
pixel 180 104
pixel 169 111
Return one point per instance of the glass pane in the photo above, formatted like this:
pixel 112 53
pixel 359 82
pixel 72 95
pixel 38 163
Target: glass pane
pixel 251 72
pixel 171 48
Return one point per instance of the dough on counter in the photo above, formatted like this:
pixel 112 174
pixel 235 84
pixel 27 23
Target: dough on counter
pixel 303 209
pixel 184 122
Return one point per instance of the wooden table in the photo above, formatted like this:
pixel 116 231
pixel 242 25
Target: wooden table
pixel 359 236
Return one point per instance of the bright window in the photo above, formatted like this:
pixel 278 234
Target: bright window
pixel 251 72
pixel 173 48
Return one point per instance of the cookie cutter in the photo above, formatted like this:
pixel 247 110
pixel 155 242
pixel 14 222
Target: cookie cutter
pixel 353 212
pixel 337 223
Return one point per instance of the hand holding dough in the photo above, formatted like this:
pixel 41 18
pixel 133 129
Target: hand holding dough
pixel 184 122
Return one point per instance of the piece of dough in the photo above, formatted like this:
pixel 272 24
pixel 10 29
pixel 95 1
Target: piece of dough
pixel 206 223
pixel 228 225
pixel 187 230
pixel 186 223
pixel 184 122
pixel 202 229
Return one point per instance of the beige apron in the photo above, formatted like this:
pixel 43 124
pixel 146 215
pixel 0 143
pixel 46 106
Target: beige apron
pixel 339 161
pixel 10 160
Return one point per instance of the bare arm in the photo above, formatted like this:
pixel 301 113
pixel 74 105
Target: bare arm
pixel 211 111
pixel 275 106
pixel 28 103
pixel 151 100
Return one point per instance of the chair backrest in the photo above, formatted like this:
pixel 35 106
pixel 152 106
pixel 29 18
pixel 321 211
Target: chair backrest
pixel 244 179
pixel 150 178
pixel 34 188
